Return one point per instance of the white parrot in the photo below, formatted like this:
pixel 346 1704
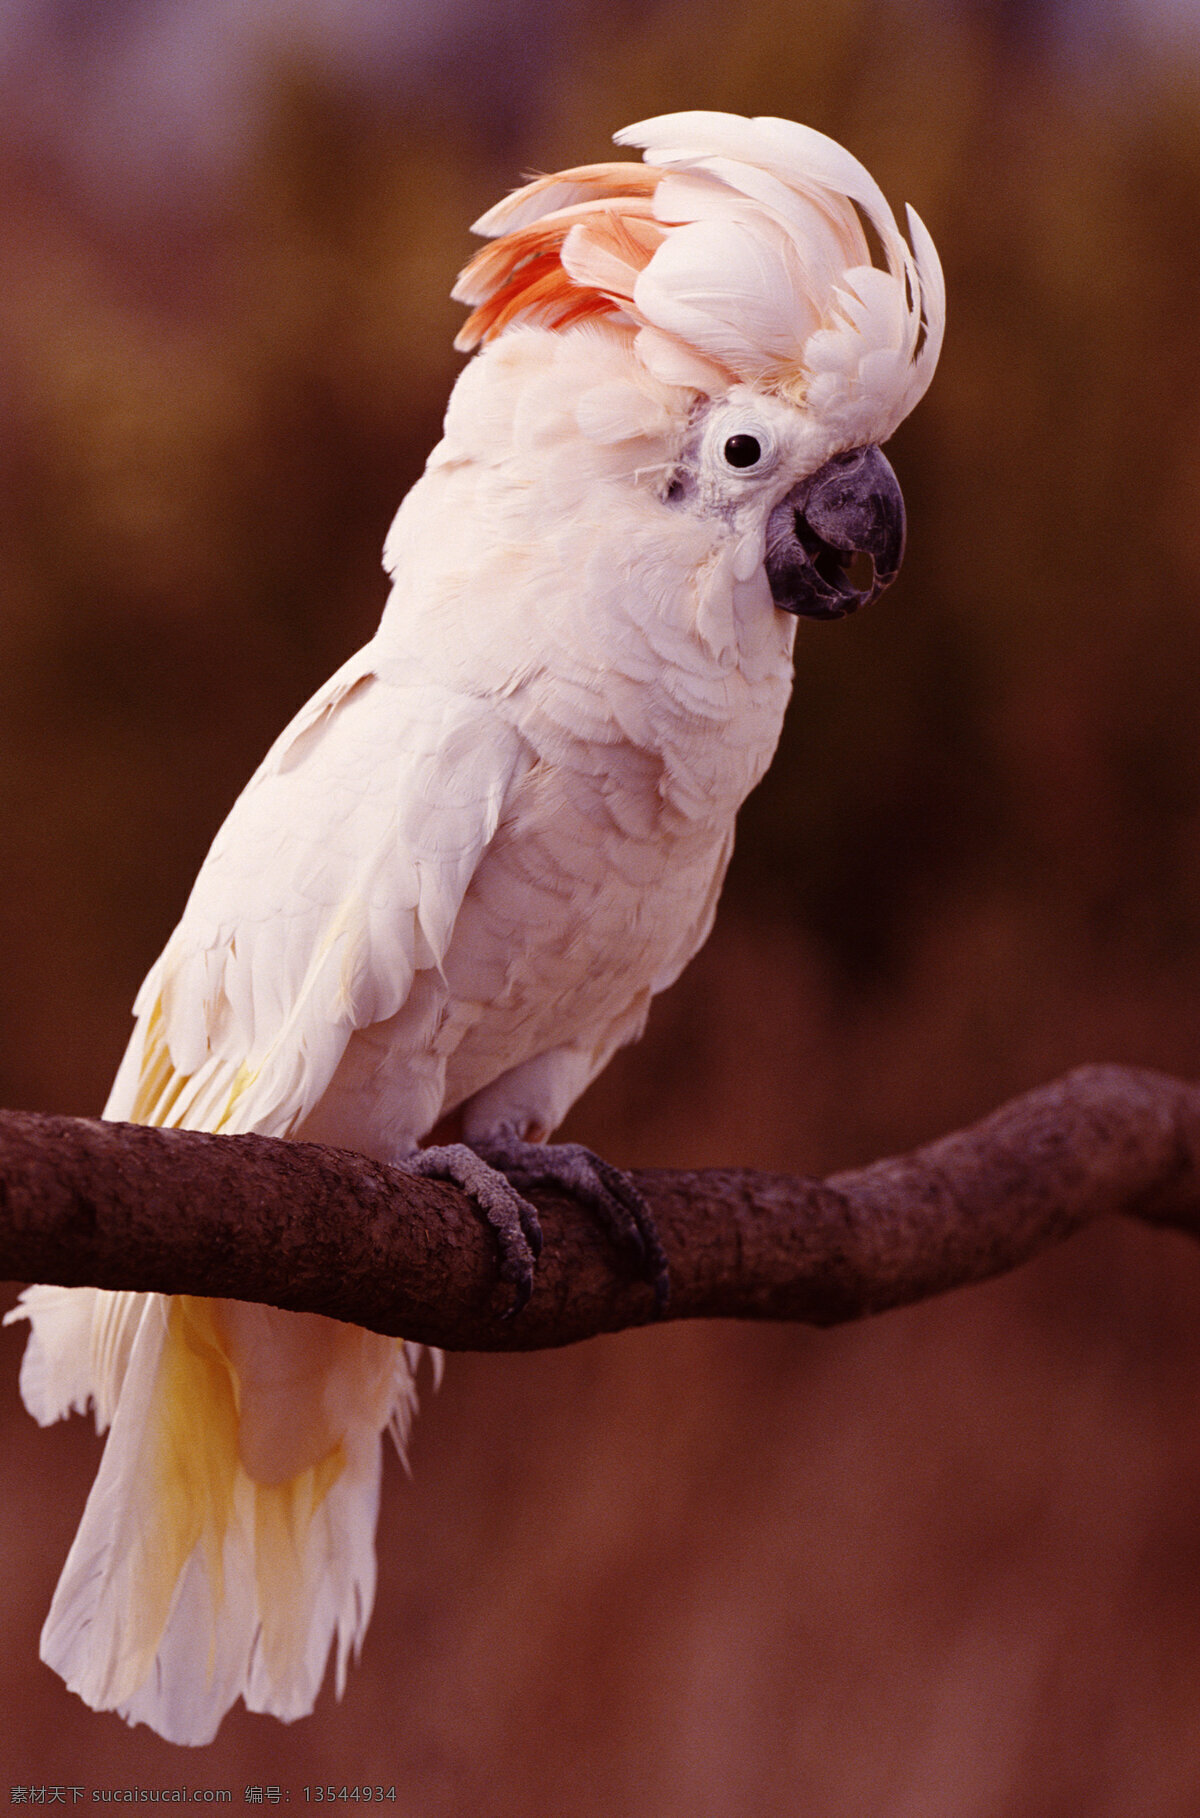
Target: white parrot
pixel 463 871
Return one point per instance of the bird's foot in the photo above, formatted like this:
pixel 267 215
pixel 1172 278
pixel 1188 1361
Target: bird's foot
pixel 512 1218
pixel 603 1190
pixel 493 1173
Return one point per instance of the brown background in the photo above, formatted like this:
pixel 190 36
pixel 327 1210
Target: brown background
pixel 938 1566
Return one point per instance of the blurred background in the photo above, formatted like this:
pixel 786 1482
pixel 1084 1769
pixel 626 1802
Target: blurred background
pixel 940 1565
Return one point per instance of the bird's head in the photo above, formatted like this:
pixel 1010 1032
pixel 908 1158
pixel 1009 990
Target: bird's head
pixel 760 280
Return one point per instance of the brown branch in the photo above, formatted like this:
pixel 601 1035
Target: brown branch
pixel 325 1230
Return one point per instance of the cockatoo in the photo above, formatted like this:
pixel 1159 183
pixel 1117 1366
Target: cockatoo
pixel 466 867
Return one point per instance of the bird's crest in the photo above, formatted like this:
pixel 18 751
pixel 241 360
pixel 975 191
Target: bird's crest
pixel 522 275
pixel 740 252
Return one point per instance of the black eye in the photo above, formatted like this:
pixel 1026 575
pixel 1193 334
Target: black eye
pixel 742 451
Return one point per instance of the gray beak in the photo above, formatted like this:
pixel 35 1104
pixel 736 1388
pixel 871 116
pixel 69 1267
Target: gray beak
pixel 835 542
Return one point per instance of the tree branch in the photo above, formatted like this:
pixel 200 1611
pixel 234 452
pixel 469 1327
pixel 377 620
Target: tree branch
pixel 84 1202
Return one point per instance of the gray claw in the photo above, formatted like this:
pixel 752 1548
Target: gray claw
pixel 606 1191
pixel 514 1220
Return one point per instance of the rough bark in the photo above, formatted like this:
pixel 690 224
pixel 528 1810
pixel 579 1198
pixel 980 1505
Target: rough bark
pixel 325 1230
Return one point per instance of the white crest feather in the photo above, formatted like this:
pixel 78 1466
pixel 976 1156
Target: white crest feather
pixel 736 254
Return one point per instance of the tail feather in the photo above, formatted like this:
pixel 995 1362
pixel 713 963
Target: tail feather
pixel 192 1581
pixel 78 1350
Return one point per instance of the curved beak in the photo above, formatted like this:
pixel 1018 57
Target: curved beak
pixel 836 541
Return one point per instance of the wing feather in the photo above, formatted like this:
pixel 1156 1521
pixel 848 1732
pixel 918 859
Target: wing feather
pixel 337 876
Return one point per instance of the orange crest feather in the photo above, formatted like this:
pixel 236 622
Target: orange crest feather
pixel 531 271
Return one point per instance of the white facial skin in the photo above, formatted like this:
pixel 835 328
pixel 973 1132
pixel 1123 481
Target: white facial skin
pixel 714 475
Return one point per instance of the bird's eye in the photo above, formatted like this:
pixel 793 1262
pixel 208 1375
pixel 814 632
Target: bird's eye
pixel 739 446
pixel 742 450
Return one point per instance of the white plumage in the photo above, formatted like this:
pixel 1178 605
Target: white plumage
pixel 463 871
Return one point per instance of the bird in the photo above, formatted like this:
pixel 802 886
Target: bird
pixel 464 870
